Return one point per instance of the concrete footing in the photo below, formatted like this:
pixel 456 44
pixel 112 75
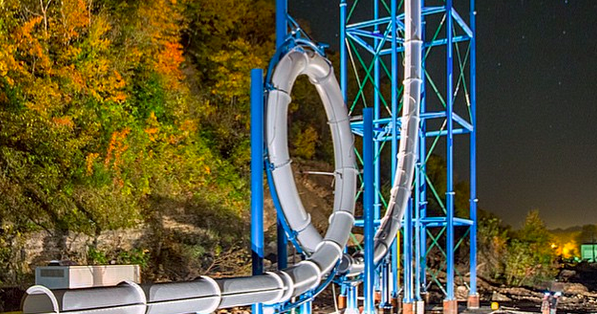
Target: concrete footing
pixel 352 311
pixel 377 297
pixel 341 302
pixel 408 308
pixel 396 305
pixel 450 307
pixel 473 302
pixel 419 307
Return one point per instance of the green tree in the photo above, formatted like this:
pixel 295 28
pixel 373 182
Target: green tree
pixel 530 257
pixel 492 245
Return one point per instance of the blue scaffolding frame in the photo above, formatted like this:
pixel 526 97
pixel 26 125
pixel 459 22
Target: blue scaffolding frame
pixel 379 38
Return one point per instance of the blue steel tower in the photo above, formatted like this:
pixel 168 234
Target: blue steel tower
pixel 371 35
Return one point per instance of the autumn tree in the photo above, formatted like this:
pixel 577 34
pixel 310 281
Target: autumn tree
pixel 102 117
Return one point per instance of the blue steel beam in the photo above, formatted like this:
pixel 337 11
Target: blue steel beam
pixel 368 200
pixel 361 42
pixel 257 162
pixel 361 28
pixel 281 30
pixel 449 157
pixel 473 151
pixel 399 17
pixel 421 188
pixel 408 253
pixel 386 138
pixel 433 222
pixel 435 43
pixel 385 124
pixel 376 104
pixel 343 74
pixel 357 37
pixel 360 222
pixel 462 23
pixel 281 22
pixel 370 34
pixel 394 139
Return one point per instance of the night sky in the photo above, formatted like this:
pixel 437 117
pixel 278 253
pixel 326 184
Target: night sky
pixel 537 104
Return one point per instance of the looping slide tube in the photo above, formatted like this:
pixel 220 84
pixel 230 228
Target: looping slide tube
pixel 300 61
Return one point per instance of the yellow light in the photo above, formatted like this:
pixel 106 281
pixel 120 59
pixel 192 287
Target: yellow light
pixel 495 306
pixel 553 246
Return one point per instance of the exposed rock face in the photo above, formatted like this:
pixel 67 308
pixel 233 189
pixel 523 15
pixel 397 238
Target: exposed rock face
pixel 462 293
pixel 40 247
pixel 566 275
pixel 574 288
pixel 498 297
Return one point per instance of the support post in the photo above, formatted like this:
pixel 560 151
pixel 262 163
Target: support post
pixel 450 305
pixel 352 306
pixel 281 22
pixel 281 27
pixel 408 302
pixel 257 162
pixel 368 199
pixel 306 308
pixel 394 103
pixel 379 284
pixel 473 299
pixel 421 184
pixel 343 68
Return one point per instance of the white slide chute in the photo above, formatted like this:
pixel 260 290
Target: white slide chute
pixel 300 61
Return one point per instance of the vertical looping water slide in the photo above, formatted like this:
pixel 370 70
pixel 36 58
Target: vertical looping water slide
pixel 325 253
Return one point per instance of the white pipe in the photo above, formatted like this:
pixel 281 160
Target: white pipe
pixel 127 298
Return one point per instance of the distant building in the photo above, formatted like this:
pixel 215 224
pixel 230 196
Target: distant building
pixel 588 252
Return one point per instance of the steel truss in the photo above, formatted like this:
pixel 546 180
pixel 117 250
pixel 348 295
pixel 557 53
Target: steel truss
pixel 371 52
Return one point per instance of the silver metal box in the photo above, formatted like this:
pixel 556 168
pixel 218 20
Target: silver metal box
pixel 73 277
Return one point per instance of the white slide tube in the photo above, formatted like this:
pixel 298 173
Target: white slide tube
pixel 299 61
pixel 409 135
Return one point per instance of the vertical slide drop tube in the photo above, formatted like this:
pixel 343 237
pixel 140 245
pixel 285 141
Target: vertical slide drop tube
pixel 368 199
pixel 257 176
